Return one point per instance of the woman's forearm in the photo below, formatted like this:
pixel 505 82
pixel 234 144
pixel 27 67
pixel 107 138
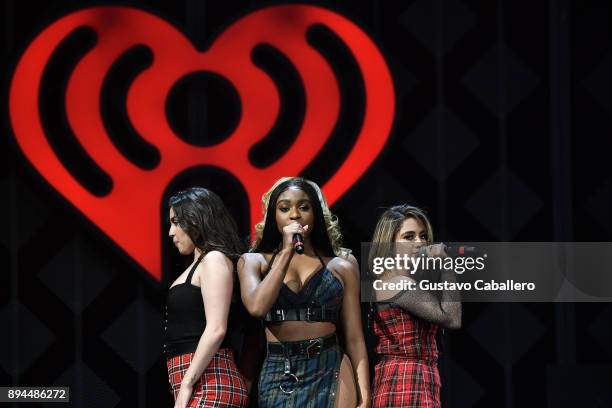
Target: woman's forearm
pixel 450 301
pixel 357 353
pixel 442 309
pixel 264 295
pixel 209 344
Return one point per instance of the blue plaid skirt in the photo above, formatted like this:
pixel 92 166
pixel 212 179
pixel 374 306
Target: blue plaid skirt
pixel 313 384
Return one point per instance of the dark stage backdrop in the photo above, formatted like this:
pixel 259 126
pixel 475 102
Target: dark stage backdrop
pixel 500 133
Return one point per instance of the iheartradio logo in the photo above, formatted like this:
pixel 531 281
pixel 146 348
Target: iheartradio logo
pixel 119 29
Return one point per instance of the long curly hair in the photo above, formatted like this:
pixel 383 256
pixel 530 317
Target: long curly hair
pixel 204 218
pixel 328 239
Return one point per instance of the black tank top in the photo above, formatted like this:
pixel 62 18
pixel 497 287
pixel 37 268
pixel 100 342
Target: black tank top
pixel 185 319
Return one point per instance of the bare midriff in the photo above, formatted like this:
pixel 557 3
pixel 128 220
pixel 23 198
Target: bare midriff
pixel 298 330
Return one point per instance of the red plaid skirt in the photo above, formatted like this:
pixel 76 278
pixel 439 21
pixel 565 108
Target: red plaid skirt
pixel 401 382
pixel 221 384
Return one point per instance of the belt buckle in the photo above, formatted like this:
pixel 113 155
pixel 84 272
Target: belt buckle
pixel 313 343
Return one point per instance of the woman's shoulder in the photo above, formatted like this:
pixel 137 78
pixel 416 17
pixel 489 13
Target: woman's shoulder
pixel 344 264
pixel 216 256
pixel 216 259
pixel 256 256
pixel 254 259
pixel 214 262
pixel 388 295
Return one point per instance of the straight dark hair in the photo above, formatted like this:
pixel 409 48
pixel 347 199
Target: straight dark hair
pixel 205 219
pixel 271 238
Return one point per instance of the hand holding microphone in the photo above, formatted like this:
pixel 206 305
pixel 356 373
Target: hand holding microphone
pixel 443 251
pixel 294 236
pixel 298 243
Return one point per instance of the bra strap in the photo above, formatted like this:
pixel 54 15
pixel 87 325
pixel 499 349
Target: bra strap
pixel 320 259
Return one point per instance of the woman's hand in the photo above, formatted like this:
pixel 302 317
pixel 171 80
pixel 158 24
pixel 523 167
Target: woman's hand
pixel 184 395
pixel 418 270
pixel 434 251
pixel 215 279
pixel 291 229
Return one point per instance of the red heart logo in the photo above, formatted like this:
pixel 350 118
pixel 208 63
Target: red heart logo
pixel 121 28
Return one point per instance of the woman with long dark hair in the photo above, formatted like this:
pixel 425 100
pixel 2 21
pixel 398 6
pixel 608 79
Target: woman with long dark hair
pixel 406 322
pixel 303 300
pixel 200 314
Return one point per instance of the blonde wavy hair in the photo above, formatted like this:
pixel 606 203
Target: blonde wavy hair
pixel 331 221
pixel 389 224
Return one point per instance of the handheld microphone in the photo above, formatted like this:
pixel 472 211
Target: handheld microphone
pixel 453 251
pixel 298 243
pixel 459 251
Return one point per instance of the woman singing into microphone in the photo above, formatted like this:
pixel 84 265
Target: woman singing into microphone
pixel 406 322
pixel 303 300
pixel 200 315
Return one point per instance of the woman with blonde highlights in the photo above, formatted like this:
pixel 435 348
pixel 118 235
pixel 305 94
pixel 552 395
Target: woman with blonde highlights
pixel 303 299
pixel 406 322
